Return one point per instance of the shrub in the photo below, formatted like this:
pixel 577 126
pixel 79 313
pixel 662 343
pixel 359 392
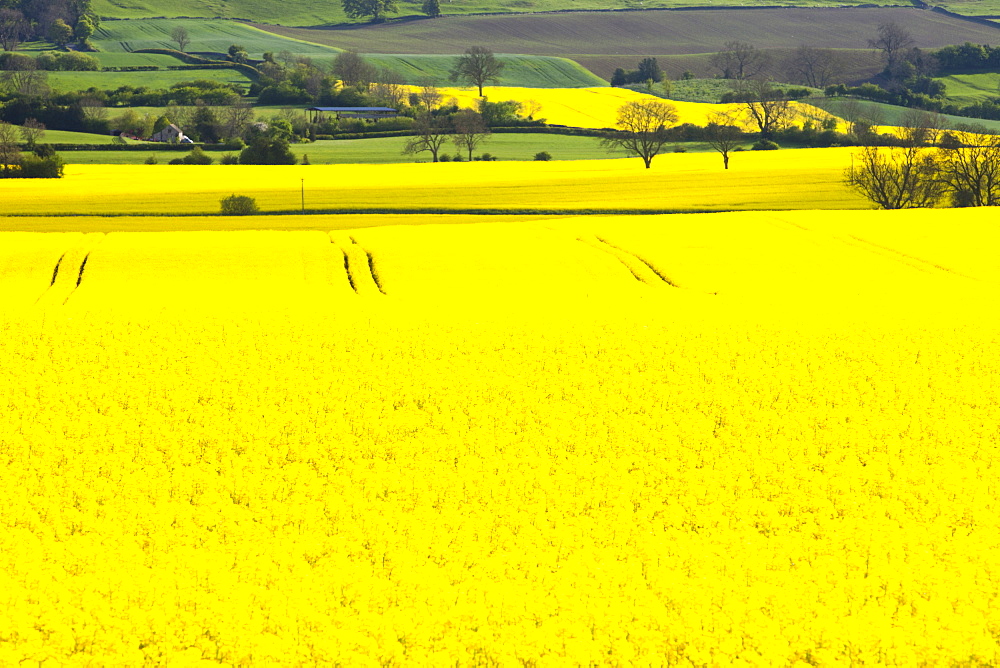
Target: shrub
pixel 151 160
pixel 765 145
pixel 196 157
pixel 444 157
pixel 229 159
pixel 238 205
pixel 543 155
pixel 176 161
pixel 33 167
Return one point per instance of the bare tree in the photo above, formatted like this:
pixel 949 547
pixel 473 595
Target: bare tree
pixel 642 128
pixel 972 172
pixel 921 128
pixel 739 60
pixel 764 105
pixel 477 67
pixel 814 67
pixel 93 109
pixel 180 35
pixel 390 91
pixel 892 40
pixel 896 178
pixel 24 78
pixel 723 134
pixel 431 134
pixel 470 130
pixel 14 28
pixel 10 152
pixel 429 97
pixel 352 69
pixel 31 132
pixel 236 119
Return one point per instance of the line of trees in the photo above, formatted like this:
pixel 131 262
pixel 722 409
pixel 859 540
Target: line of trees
pixel 60 21
pixel 966 173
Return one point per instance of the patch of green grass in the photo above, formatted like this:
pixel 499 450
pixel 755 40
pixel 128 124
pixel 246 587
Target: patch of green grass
pixel 892 115
pixel 386 150
pixel 519 70
pixel 162 79
pixel 206 37
pixel 66 137
pixel 967 89
pixel 118 59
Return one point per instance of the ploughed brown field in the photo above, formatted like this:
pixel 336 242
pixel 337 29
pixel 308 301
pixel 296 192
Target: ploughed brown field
pixel 581 35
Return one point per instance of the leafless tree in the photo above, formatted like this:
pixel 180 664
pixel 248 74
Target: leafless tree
pixel 921 128
pixel 470 130
pixel 352 69
pixel 478 66
pixel 10 152
pixel 764 105
pixel 892 40
pixel 642 128
pixel 23 78
pixel 896 178
pixel 180 35
pixel 431 134
pixel 739 60
pixel 723 134
pixel 32 131
pixel 14 28
pixel 972 172
pixel 390 91
pixel 236 119
pixel 428 97
pixel 814 67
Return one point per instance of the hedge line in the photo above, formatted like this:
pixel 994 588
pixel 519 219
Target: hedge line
pixel 248 70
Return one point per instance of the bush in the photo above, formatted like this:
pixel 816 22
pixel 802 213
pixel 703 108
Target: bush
pixel 195 157
pixel 238 205
pixel 229 159
pixel 543 155
pixel 176 161
pixel 485 157
pixel 151 160
pixel 444 157
pixel 33 167
pixel 765 145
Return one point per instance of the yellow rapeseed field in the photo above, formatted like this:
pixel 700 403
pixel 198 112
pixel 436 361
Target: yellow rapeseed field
pixel 730 439
pixel 800 179
pixel 598 107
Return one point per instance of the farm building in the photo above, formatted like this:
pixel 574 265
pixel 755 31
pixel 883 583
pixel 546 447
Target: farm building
pixel 171 134
pixel 364 113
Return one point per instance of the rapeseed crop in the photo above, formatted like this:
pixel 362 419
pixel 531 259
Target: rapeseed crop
pixel 754 438
pixel 598 107
pixel 801 179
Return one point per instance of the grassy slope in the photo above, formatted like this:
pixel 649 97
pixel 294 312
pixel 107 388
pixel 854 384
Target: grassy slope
pixel 893 115
pixel 216 36
pixel 972 88
pixel 519 70
pixel 72 81
pixel 389 150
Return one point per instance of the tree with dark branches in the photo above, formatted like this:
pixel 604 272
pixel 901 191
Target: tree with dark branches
pixel 477 67
pixel 896 178
pixel 739 60
pixel 642 128
pixel 892 40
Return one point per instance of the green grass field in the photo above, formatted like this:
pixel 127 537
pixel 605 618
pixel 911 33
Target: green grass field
pixel 519 70
pixel 972 88
pixel 73 81
pixel 205 36
pixel 892 115
pixel 66 137
pixel 387 150
pixel 118 37
pixel 121 59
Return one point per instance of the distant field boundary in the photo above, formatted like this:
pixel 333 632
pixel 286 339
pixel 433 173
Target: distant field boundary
pixel 376 211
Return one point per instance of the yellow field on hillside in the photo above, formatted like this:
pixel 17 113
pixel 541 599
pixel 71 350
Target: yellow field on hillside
pixel 598 107
pixel 728 439
pixel 800 179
